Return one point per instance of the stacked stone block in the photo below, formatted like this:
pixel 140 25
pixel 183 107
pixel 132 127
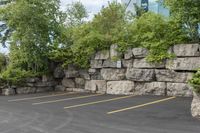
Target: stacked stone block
pixel 136 76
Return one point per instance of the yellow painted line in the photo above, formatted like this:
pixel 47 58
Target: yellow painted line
pixel 66 99
pixel 142 105
pixel 96 102
pixel 39 97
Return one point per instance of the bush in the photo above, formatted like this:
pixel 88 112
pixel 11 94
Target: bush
pixel 2 61
pixel 195 81
pixel 15 76
pixel 157 34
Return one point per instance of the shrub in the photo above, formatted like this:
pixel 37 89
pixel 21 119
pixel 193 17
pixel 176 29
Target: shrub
pixel 195 81
pixel 157 34
pixel 15 76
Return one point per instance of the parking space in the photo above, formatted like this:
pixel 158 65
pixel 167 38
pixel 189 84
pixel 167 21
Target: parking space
pixel 95 113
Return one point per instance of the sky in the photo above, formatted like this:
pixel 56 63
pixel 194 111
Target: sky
pixel 92 6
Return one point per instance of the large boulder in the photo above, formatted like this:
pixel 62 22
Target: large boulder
pixel 68 83
pixel 195 108
pixel 140 52
pixel 113 74
pixel 8 91
pixel 80 82
pixel 110 64
pixel 44 89
pixel 26 90
pixel 71 73
pixel 96 63
pixel 60 88
pixel 102 55
pixel 84 74
pixel 172 76
pixel 189 64
pixel 98 86
pixel 58 72
pixel 179 89
pixel 184 50
pixel 152 88
pixel 140 74
pixel 142 63
pixel 120 87
pixel 113 51
pixel 127 63
pixel 128 54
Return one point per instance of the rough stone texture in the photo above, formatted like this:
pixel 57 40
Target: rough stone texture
pixel 58 72
pixel 172 76
pixel 84 74
pixel 192 63
pixel 127 63
pixel 92 71
pixel 195 108
pixel 113 51
pixel 109 64
pixel 142 63
pixel 140 74
pixel 8 91
pixel 128 54
pixel 152 88
pixel 78 90
pixel 68 83
pixel 98 86
pixel 45 84
pixel 179 89
pixel 44 89
pixel 96 75
pixel 26 90
pixel 60 88
pixel 102 55
pixel 47 78
pixel 184 50
pixel 113 74
pixel 32 80
pixel 120 87
pixel 71 73
pixel 139 52
pixel 96 63
pixel 80 82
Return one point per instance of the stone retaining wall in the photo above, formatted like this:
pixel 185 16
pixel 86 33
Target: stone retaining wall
pixel 132 74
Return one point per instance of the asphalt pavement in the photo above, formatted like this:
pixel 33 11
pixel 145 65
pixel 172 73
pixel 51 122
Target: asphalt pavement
pixel 95 113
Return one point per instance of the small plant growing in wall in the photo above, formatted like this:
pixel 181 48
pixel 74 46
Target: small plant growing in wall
pixel 195 81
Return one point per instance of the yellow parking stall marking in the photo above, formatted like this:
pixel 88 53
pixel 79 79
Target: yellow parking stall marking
pixel 142 105
pixel 66 99
pixel 39 97
pixel 96 102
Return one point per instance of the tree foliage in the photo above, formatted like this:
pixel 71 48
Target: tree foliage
pixel 195 81
pixel 186 12
pixel 2 61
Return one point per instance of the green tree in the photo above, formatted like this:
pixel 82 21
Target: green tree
pixel 36 26
pixel 186 12
pixel 76 14
pixel 2 61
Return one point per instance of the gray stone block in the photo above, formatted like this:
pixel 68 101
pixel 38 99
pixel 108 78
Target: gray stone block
pixel 189 64
pixel 58 72
pixel 109 64
pixel 172 76
pixel 96 63
pixel 98 86
pixel 139 52
pixel 195 108
pixel 120 87
pixel 152 88
pixel 128 54
pixel 142 63
pixel 183 50
pixel 140 74
pixel 179 89
pixel 127 63
pixel 113 74
pixel 26 90
pixel 68 83
pixel 80 82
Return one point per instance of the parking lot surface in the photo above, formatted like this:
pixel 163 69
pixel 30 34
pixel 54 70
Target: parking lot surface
pixel 95 113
